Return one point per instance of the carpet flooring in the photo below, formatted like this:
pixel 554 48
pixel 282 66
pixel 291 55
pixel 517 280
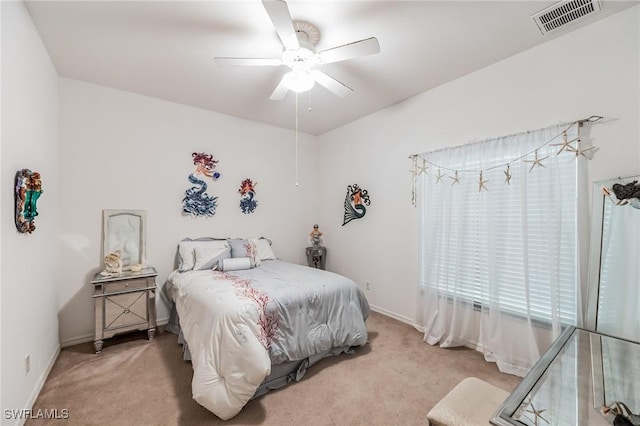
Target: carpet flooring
pixel 394 380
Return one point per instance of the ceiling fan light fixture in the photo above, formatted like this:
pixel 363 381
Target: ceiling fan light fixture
pixel 297 57
pixel 299 40
pixel 299 80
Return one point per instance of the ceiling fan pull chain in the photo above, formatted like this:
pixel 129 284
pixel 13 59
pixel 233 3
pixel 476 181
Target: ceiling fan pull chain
pixel 297 140
pixel 309 100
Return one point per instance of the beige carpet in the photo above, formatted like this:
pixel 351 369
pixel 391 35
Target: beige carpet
pixel 393 380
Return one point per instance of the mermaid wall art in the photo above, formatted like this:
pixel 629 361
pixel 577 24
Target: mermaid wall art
pixel 28 188
pixel 354 203
pixel 196 201
pixel 247 192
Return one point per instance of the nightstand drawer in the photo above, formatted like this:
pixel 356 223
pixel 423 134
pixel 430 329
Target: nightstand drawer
pixel 125 285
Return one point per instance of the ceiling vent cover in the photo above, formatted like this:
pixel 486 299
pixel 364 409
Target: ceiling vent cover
pixel 564 12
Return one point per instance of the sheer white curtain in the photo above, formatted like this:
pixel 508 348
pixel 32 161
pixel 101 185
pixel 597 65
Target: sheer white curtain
pixel 499 260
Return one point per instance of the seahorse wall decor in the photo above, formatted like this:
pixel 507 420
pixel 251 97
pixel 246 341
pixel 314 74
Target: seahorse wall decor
pixel 247 191
pixel 354 203
pixel 196 201
pixel 28 188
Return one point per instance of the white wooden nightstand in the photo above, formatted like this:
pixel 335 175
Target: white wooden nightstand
pixel 124 302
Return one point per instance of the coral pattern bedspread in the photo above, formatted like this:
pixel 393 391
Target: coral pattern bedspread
pixel 238 324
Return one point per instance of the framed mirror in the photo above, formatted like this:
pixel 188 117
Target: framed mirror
pixel 614 269
pixel 126 231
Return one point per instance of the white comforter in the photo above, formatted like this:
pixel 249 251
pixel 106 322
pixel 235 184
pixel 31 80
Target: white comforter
pixel 238 324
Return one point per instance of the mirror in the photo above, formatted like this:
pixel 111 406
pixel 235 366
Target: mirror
pixel 125 230
pixel 615 367
pixel 614 264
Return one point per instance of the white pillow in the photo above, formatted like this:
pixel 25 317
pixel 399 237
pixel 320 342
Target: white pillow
pixel 265 252
pixel 209 256
pixel 236 264
pixel 187 255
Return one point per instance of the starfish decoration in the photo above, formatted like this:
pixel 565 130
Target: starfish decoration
pixel 537 414
pixel 565 144
pixel 455 178
pixel 439 176
pixel 580 151
pixel 507 174
pixel 481 183
pixel 536 161
pixel 423 169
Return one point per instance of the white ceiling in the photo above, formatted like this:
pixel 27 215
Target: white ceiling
pixel 165 49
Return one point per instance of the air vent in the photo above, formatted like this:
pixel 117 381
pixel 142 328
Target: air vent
pixel 560 14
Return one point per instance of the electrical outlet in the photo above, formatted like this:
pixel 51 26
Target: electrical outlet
pixel 367 285
pixel 27 364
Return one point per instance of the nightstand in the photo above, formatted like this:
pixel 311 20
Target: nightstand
pixel 124 302
pixel 317 256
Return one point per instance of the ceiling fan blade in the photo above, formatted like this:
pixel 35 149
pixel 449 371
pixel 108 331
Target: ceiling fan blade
pixel 280 92
pixel 368 46
pixel 331 83
pixel 279 14
pixel 248 62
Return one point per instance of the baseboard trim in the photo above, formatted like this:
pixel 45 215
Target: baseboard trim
pixel 39 384
pixel 89 337
pixel 401 318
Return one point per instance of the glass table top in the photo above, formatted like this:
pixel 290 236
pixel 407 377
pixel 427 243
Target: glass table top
pixel 124 275
pixel 575 378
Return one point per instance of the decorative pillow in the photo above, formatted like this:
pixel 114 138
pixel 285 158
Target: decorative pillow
pixel 244 248
pixel 237 247
pixel 186 254
pixel 265 252
pixel 236 264
pixel 209 257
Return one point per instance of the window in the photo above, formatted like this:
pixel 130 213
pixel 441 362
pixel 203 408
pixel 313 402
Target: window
pixel 509 244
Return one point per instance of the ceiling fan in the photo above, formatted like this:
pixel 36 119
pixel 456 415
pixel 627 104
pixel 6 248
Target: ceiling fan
pixel 299 39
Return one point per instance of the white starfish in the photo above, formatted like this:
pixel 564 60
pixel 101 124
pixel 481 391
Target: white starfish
pixel 423 169
pixel 507 174
pixel 536 161
pixel 481 183
pixel 565 144
pixel 580 151
pixel 455 178
pixel 537 414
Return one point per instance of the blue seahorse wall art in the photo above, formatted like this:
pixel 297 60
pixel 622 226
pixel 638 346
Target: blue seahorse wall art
pixel 354 203
pixel 196 201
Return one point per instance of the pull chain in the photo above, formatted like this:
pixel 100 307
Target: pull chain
pixel 297 183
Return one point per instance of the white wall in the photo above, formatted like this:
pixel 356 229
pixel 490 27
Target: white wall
pixel 125 151
pixel 99 148
pixel 29 262
pixel 592 71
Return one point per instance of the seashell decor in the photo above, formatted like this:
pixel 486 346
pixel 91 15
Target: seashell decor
pixel 113 263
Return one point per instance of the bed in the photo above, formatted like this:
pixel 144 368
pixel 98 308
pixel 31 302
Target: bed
pixel 254 323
